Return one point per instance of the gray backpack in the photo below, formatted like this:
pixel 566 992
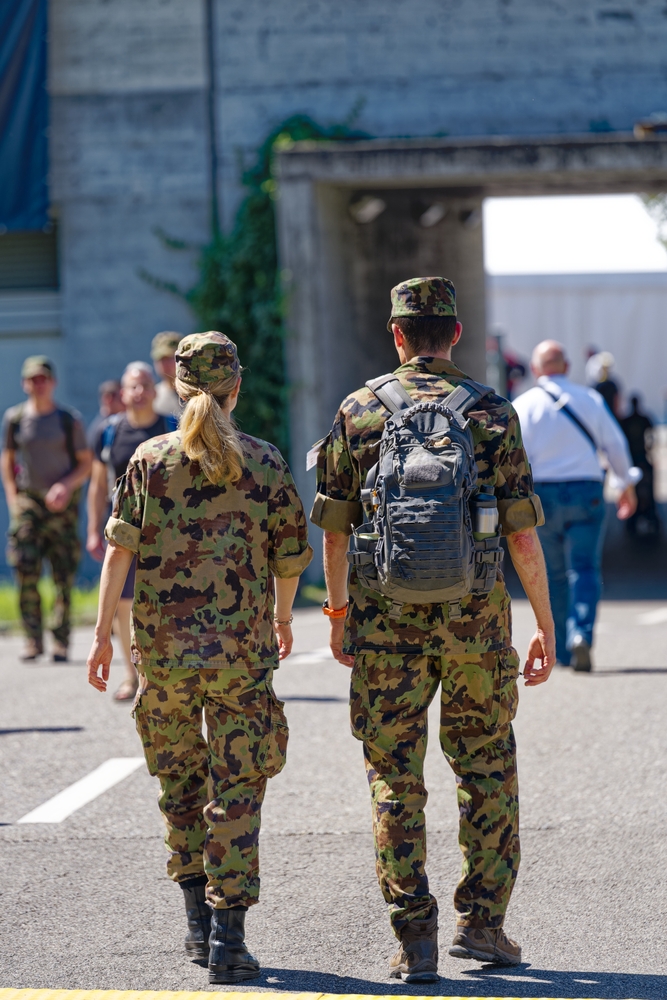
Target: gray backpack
pixel 417 544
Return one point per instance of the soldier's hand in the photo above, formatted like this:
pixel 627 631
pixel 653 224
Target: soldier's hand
pixel 57 498
pixel 336 642
pixel 285 640
pixel 95 546
pixel 542 647
pixel 100 656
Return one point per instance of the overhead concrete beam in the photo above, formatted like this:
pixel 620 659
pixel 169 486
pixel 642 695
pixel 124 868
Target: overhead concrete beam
pixel 496 166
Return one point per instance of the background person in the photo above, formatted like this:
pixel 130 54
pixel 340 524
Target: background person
pixel 163 349
pixel 110 402
pixel 217 525
pixel 564 426
pixel 45 460
pixel 401 656
pixel 116 441
pixel 638 430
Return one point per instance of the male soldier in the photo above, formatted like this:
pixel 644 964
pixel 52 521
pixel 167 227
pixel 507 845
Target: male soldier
pixel 45 459
pixel 400 656
pixel 163 349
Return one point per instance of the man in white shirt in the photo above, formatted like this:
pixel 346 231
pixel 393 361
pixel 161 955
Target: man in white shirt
pixel 566 428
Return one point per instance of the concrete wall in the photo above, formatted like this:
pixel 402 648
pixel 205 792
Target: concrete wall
pixel 129 154
pixel 437 67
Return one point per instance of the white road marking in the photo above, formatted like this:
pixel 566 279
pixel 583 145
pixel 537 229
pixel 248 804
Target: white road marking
pixel 657 617
pixel 63 804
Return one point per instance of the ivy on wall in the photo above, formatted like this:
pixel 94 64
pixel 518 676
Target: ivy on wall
pixel 239 289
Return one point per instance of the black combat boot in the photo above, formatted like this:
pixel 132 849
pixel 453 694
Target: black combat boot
pixel 199 916
pixel 229 960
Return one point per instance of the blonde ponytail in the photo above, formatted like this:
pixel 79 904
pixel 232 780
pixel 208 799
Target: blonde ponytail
pixel 210 436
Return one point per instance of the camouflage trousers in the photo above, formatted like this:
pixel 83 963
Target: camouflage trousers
pixel 390 696
pixel 35 534
pixel 211 789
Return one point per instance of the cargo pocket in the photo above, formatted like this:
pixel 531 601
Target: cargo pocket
pixel 507 689
pixel 360 703
pixel 273 749
pixel 140 716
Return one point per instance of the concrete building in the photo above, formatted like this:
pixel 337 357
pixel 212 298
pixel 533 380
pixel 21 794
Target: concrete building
pixel 156 106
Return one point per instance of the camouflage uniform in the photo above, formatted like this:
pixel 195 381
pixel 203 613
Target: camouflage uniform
pixel 203 642
pixel 35 534
pixel 399 663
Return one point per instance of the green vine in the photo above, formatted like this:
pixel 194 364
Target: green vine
pixel 239 289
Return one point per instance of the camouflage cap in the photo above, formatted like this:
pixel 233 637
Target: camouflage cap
pixel 205 358
pixel 38 364
pixel 423 297
pixel 163 345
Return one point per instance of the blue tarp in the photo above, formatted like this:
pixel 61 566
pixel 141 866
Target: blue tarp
pixel 24 109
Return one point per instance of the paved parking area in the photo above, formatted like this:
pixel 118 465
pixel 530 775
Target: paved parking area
pixel 85 904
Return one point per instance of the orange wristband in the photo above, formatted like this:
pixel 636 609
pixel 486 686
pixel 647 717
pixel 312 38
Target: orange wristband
pixel 334 612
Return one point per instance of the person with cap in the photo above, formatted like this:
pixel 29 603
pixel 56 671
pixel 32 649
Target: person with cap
pixel 220 536
pixel 115 443
pixel 163 349
pixel 402 651
pixel 566 427
pixel 45 461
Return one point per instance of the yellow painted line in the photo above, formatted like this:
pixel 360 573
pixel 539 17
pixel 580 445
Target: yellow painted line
pixel 206 995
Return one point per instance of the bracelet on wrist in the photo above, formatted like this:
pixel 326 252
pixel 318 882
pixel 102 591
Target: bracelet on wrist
pixel 288 621
pixel 335 613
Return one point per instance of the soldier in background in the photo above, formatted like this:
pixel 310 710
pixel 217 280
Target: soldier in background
pixel 399 662
pixel 45 461
pixel 163 349
pixel 217 525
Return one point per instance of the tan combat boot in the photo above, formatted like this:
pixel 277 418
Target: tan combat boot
pixel 416 960
pixel 485 944
pixel 32 650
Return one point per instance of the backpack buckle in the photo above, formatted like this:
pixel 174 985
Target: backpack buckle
pixel 455 611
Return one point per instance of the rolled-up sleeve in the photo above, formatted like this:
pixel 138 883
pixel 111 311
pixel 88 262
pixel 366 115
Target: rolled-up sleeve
pixel 127 510
pixel 289 551
pixel 519 507
pixel 337 504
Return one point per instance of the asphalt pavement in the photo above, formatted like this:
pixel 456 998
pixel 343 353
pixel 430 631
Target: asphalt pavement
pixel 85 903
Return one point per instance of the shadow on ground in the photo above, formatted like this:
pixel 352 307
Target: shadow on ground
pixel 522 981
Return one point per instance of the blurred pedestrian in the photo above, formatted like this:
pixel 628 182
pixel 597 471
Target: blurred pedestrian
pixel 638 429
pixel 116 441
pixel 45 461
pixel 218 526
pixel 110 402
pixel 564 427
pixel 163 349
pixel 598 376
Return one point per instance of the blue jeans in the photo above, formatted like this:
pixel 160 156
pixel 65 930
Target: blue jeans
pixel 572 543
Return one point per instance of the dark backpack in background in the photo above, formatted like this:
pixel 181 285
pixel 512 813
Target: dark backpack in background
pixel 417 544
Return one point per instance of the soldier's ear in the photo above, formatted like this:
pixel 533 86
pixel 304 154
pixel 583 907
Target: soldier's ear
pixel 457 333
pixel 399 339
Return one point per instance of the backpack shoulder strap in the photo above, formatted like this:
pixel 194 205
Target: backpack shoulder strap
pixel 15 425
pixel 390 392
pixel 67 424
pixel 467 393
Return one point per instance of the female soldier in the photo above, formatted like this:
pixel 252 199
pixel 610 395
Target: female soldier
pixel 217 525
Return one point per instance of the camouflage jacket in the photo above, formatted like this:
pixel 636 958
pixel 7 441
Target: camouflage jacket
pixel 206 554
pixel 345 457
